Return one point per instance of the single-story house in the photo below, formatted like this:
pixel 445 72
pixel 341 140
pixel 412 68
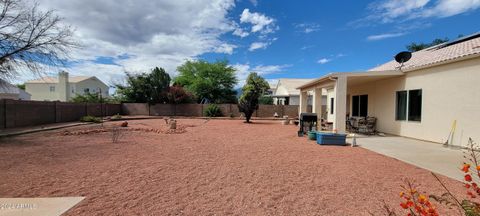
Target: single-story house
pixel 286 92
pixel 9 91
pixel 422 99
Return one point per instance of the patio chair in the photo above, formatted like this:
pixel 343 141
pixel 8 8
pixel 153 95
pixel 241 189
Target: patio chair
pixel 368 125
pixel 352 125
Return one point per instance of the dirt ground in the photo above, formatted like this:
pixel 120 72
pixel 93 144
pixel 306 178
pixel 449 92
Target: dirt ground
pixel 219 167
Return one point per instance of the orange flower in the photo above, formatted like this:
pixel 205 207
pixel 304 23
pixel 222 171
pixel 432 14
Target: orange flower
pixel 466 167
pixel 413 191
pixel 422 198
pixel 404 205
pixel 478 167
pixel 468 178
pixel 402 194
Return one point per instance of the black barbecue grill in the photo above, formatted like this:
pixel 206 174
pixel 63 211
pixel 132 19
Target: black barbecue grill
pixel 308 122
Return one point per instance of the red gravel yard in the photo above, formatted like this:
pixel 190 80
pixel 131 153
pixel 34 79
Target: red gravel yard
pixel 216 167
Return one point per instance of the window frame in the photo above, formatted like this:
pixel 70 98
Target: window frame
pixel 359 105
pixel 405 114
pixel 332 105
pixel 408 109
pixel 409 113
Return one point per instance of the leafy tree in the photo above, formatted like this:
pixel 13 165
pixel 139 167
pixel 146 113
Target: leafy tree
pixel 31 38
pixel 90 98
pixel 266 100
pixel 213 82
pixel 21 86
pixel 254 88
pixel 413 47
pixel 145 88
pixel 177 95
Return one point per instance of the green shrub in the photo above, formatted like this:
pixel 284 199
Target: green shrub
pixel 212 110
pixel 265 100
pixel 91 119
pixel 116 117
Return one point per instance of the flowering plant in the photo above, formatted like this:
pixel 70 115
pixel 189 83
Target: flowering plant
pixel 418 204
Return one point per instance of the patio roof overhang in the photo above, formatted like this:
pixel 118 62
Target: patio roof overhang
pixel 353 78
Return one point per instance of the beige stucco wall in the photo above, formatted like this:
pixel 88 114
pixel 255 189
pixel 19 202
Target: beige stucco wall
pixel 449 92
pixel 92 84
pixel 41 91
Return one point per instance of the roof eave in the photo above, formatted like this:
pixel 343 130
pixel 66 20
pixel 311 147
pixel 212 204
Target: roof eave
pixel 462 58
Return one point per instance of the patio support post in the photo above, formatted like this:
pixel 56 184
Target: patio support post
pixel 317 104
pixel 340 107
pixel 303 102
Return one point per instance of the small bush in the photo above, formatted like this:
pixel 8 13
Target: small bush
pixel 213 111
pixel 91 119
pixel 116 117
pixel 265 100
pixel 116 133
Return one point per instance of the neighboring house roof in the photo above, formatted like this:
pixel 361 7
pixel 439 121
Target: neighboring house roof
pixel 73 79
pixel 7 88
pixel 468 46
pixel 288 87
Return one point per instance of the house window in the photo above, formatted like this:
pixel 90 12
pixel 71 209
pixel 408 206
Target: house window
pixel 52 88
pixel 86 90
pixel 287 101
pixel 401 110
pixel 412 100
pixel 415 105
pixel 360 105
pixel 332 102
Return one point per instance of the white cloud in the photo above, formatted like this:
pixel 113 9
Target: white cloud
pixel 260 23
pixel 391 9
pixel 446 8
pixel 384 36
pixel 388 11
pixel 240 32
pixel 254 2
pixel 261 44
pixel 307 27
pixel 152 33
pixel 258 45
pixel 225 48
pixel 324 61
pixel 244 69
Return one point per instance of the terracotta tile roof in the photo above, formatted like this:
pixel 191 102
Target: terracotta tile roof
pixel 73 79
pixel 469 45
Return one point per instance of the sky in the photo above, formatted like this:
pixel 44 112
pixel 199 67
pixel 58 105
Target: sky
pixel 277 39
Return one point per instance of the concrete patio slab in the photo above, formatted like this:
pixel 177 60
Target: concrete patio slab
pixel 37 206
pixel 426 155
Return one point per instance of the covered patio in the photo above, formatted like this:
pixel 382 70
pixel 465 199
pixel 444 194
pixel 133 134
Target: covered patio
pixel 346 96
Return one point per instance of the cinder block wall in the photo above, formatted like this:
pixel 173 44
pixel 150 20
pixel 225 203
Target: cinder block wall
pixel 17 113
pixel 197 110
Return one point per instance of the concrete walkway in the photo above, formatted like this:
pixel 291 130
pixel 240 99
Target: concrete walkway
pixel 427 155
pixel 33 129
pixel 53 206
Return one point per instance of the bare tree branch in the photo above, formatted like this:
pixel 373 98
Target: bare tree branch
pixel 31 40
